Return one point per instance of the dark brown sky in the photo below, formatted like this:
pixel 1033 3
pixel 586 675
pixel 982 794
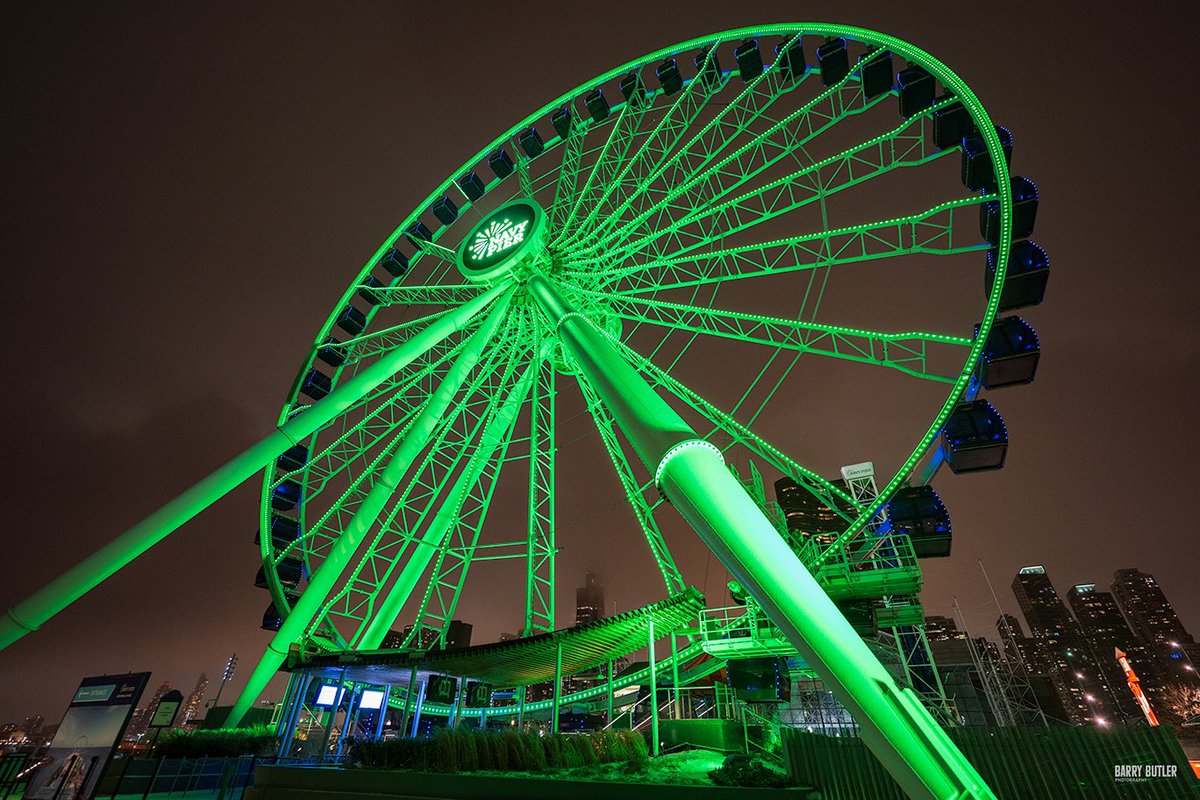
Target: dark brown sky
pixel 187 189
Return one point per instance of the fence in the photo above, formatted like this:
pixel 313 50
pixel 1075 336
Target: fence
pixel 197 778
pixel 13 774
pixel 1017 763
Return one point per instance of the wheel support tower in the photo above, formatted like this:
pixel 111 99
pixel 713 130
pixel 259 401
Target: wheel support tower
pixel 692 475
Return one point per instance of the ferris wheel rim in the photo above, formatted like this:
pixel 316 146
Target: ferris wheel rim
pixel 897 46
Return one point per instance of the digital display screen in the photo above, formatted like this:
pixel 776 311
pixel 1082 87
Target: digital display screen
pixel 329 695
pixel 372 699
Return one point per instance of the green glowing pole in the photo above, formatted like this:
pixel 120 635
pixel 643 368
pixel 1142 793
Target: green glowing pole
pixel 653 689
pixel 674 677
pixel 693 477
pixel 408 698
pixel 557 685
pixel 416 720
pixel 326 575
pixel 31 613
pixel 609 693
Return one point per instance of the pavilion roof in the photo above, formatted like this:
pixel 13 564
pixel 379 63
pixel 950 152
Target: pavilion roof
pixel 517 662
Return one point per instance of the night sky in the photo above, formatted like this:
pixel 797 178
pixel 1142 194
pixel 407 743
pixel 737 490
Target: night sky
pixel 188 189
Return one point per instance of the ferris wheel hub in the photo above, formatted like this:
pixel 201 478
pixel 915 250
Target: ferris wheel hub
pixel 510 236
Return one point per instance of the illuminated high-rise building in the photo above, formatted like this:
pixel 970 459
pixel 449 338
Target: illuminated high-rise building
pixel 942 629
pixel 805 514
pixel 1151 616
pixel 191 707
pixel 1063 650
pixel 1153 619
pixel 139 721
pixel 1021 649
pixel 589 600
pixel 1104 631
pixel 458 634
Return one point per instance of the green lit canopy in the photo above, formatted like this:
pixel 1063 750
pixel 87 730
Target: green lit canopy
pixel 518 662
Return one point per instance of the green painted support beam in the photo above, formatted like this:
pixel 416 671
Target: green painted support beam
pixel 693 476
pixel 28 615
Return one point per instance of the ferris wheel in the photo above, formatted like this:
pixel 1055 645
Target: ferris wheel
pixel 673 258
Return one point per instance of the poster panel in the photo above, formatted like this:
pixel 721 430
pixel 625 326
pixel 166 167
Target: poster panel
pixel 87 737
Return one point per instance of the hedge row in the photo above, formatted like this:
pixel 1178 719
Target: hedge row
pixel 467 750
pixel 220 743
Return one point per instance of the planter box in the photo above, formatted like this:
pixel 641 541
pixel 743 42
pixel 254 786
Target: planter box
pixel 310 783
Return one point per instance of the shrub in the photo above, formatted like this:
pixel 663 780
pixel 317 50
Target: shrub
pixel 534 752
pixel 633 745
pixel 467 750
pixel 466 747
pixel 553 748
pixel 585 750
pixel 258 740
pixel 745 771
pixel 444 751
pixel 515 749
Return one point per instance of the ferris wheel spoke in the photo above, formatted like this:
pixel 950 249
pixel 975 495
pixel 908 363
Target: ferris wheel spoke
pixel 354 526
pixel 449 294
pixel 656 146
pixel 456 530
pixel 493 430
pixel 523 179
pixel 698 179
pixel 905 352
pixel 383 410
pixel 385 421
pixel 811 481
pixel 366 345
pixel 568 174
pixel 440 252
pixel 541 536
pixel 610 158
pixel 442 448
pixel 634 492
pixel 427 485
pixel 733 119
pixel 905 146
pixel 935 231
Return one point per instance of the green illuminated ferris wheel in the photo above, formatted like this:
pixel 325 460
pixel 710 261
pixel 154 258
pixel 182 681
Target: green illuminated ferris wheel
pixel 669 255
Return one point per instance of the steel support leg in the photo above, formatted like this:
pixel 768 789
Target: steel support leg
pixel 29 614
pixel 692 475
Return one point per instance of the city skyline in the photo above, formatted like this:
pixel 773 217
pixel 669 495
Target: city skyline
pixel 264 204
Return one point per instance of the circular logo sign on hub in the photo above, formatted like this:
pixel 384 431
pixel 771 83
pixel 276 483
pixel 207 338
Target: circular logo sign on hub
pixel 504 238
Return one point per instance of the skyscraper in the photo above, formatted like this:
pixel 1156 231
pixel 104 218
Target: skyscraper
pixel 458 635
pixel 1062 649
pixel 1152 617
pixel 191 706
pixel 1020 649
pixel 139 721
pixel 589 600
pixel 806 515
pixel 942 629
pixel 1147 609
pixel 1104 631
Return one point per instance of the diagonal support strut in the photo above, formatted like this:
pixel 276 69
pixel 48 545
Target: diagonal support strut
pixel 693 477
